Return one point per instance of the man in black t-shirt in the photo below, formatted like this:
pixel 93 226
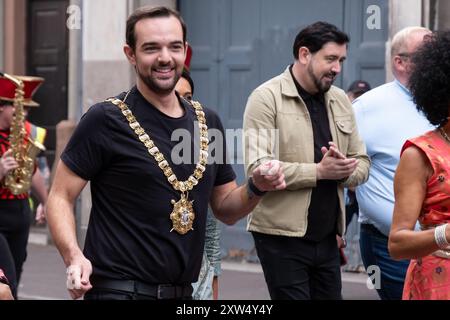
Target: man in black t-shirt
pixel 152 177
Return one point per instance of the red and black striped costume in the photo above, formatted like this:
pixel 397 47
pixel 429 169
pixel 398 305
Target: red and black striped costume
pixel 15 218
pixel 4 146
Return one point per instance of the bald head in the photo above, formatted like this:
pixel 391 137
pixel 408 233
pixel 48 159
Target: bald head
pixel 407 38
pixel 404 44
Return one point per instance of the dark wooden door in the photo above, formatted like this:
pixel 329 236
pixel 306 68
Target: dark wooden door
pixel 47 57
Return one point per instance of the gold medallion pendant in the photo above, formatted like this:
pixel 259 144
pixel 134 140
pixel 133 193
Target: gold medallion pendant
pixel 182 215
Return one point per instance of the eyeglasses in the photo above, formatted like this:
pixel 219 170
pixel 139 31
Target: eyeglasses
pixel 404 55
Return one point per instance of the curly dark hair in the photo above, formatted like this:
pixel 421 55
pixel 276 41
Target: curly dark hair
pixel 430 78
pixel 187 75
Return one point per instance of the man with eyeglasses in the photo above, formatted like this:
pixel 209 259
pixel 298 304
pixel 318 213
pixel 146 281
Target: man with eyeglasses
pixel 386 117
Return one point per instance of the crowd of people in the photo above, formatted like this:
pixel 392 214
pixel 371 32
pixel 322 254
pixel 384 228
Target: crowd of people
pixel 378 153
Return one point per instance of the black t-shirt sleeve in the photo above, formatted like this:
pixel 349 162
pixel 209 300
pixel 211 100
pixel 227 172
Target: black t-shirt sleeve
pixel 224 175
pixel 87 151
pixel 225 172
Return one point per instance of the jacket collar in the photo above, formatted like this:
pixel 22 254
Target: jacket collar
pixel 287 84
pixel 289 89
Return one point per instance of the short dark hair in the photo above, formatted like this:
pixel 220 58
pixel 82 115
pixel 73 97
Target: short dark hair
pixel 187 75
pixel 429 82
pixel 149 12
pixel 359 86
pixel 316 35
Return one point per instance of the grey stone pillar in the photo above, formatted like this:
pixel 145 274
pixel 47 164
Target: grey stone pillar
pixel 402 14
pixel 443 12
pixel 75 89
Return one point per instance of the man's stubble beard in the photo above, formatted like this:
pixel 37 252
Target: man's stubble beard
pixel 317 83
pixel 154 86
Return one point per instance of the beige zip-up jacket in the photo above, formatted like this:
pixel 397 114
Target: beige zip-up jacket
pixel 275 112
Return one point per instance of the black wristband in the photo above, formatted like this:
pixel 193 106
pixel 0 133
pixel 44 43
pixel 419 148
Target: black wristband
pixel 254 189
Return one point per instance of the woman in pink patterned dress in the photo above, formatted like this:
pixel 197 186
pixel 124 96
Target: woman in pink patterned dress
pixel 422 180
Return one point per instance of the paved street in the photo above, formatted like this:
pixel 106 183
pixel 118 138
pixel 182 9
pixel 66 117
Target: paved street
pixel 44 278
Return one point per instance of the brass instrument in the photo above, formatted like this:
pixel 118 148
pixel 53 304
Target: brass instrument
pixel 24 149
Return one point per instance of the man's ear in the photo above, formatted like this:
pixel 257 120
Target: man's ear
pixel 303 55
pixel 399 64
pixel 129 53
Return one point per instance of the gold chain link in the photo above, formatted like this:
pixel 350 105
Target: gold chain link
pixel 183 186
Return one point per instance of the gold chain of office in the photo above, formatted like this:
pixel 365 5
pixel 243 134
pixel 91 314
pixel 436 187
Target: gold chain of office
pixel 182 215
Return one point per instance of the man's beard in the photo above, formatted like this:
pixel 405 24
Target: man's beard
pixel 154 84
pixel 321 87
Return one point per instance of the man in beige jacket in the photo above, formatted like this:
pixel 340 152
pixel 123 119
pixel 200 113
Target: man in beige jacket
pixel 299 118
